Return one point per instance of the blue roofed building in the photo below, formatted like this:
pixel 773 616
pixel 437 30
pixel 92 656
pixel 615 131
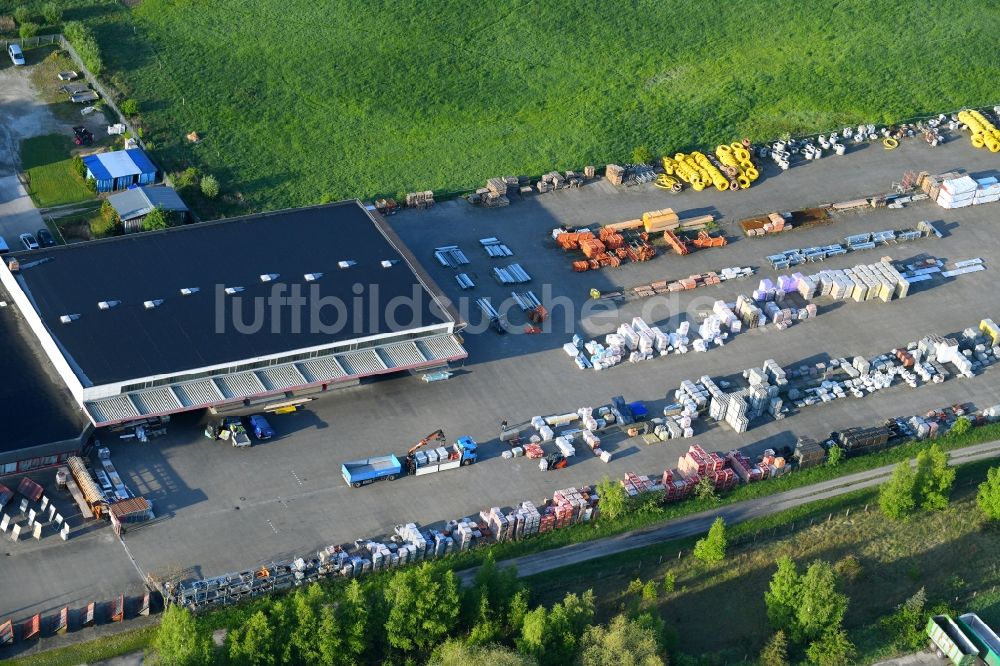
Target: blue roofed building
pixel 120 169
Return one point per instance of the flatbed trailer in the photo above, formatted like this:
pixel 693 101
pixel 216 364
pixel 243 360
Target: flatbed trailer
pixel 358 473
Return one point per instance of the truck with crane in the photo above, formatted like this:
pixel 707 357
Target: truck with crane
pixel 416 462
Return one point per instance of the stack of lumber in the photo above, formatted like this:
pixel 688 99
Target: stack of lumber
pixel 615 174
pixel 589 172
pixel 695 223
pixel 660 220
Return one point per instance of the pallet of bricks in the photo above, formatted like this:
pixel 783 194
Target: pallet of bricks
pixel 677 487
pixel 774 223
pixel 607 250
pixel 571 506
pixel 423 199
pixel 636 485
pixel 699 463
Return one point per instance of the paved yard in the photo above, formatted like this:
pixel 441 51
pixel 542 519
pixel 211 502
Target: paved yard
pixel 225 509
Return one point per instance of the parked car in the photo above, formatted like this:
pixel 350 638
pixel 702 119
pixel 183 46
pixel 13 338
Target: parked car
pixel 29 242
pixel 45 238
pixel 261 428
pixel 16 55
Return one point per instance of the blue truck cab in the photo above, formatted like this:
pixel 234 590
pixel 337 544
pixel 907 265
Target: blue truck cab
pixel 261 428
pixel 469 450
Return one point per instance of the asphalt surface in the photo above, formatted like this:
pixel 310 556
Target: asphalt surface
pixel 698 523
pixel 22 115
pixel 223 509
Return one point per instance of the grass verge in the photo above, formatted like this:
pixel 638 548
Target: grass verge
pixel 115 645
pixel 896 559
pixel 51 179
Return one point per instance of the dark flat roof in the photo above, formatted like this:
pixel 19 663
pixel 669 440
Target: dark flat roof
pixel 35 408
pixel 129 341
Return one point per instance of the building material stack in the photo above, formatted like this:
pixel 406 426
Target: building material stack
pixel 572 506
pixel 615 174
pixel 660 220
pixel 808 452
pixel 636 485
pixel 987 190
pixel 423 199
pixel 957 192
pixel 497 523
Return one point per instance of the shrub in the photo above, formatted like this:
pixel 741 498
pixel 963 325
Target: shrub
pixel 988 496
pixel 961 426
pixel 642 155
pixel 22 15
pixel 187 178
pixel 130 108
pixel 86 46
pixel 155 220
pixel 92 185
pixel 712 548
pixel 669 582
pixel 51 13
pixel 7 24
pixel 849 568
pixel 79 167
pixel 28 30
pixel 834 456
pixel 209 186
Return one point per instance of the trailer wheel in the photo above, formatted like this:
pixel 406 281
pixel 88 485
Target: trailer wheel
pixel 356 484
pixel 391 477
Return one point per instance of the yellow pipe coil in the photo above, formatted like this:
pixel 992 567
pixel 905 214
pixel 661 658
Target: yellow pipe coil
pixel 889 143
pixel 984 133
pixel 738 157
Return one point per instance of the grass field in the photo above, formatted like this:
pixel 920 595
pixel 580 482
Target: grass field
pixel 718 610
pixel 299 101
pixel 51 178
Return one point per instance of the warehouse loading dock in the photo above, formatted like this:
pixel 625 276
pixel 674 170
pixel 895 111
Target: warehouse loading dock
pixel 170 285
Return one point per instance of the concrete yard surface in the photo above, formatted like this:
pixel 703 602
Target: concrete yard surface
pixel 222 509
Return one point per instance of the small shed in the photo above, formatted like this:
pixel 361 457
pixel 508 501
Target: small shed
pixel 120 169
pixel 135 203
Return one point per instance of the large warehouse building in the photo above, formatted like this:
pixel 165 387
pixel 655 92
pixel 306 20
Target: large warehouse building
pixel 238 311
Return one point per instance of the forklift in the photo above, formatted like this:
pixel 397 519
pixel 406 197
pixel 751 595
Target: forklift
pixel 555 461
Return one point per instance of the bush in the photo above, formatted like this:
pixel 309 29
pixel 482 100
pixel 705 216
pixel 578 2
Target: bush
pixel 22 15
pixel 848 568
pixel 712 548
pixel 86 46
pixel 669 582
pixel 961 426
pixel 834 456
pixel 988 496
pixel 210 186
pixel 155 220
pixel 187 178
pixel 7 24
pixel 79 167
pixel 51 13
pixel 28 30
pixel 642 155
pixel 130 108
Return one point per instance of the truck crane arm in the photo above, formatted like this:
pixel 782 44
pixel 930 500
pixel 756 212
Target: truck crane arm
pixel 436 436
